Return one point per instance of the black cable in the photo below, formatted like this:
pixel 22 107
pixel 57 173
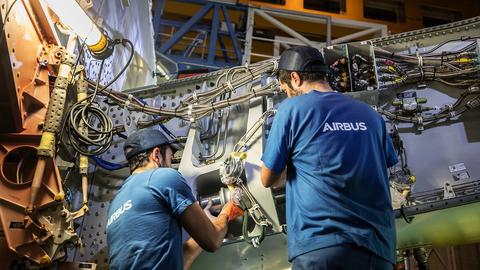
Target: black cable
pixel 132 53
pixel 83 135
pixel 5 20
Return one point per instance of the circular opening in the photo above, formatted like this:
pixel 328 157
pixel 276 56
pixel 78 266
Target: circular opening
pixel 19 165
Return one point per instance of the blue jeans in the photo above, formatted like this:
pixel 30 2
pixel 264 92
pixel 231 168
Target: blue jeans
pixel 341 257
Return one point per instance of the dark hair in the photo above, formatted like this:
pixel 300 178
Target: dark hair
pixel 141 159
pixel 284 76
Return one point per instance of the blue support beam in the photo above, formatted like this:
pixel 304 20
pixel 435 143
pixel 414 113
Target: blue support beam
pixel 185 28
pixel 213 35
pixel 213 32
pixel 231 31
pixel 157 17
pixel 224 49
pixel 236 6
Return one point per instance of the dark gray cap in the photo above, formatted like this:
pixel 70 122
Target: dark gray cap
pixel 145 139
pixel 303 59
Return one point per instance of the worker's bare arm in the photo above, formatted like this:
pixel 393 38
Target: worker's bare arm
pixel 270 178
pixel 208 234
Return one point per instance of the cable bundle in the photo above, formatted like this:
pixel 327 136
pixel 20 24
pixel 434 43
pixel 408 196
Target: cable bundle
pixel 85 114
pixel 454 69
pixel 199 105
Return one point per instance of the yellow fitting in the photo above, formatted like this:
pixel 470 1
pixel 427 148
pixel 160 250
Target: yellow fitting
pixel 81 96
pixel 85 208
pixel 100 46
pixel 398 80
pixel 59 196
pixel 47 142
pixel 412 179
pixel 231 188
pixel 392 68
pixel 83 162
pixel 405 193
pixel 45 260
pixel 464 60
pixel 241 155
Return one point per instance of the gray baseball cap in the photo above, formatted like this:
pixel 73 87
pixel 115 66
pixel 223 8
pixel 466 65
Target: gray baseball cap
pixel 146 139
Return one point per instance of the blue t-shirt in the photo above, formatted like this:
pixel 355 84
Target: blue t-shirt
pixel 336 151
pixel 143 231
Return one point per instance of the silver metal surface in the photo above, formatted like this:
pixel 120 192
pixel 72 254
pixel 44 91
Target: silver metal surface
pixel 271 255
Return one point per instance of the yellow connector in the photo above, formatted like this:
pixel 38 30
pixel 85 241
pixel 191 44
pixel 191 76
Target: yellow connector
pixel 59 196
pixel 81 96
pixel 83 162
pixel 464 60
pixel 47 142
pixel 45 260
pixel 412 179
pixel 241 155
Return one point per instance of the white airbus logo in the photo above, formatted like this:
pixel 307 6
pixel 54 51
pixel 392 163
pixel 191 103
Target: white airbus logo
pixel 126 206
pixel 336 126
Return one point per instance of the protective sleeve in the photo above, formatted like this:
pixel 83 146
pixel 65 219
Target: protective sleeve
pixel 277 149
pixel 169 186
pixel 388 149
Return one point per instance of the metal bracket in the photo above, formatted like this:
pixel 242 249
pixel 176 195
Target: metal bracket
pixel 448 191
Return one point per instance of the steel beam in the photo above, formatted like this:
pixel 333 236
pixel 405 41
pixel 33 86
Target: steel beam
pixel 356 35
pixel 248 36
pixel 224 49
pixel 157 17
pixel 185 28
pixel 213 35
pixel 231 31
pixel 285 28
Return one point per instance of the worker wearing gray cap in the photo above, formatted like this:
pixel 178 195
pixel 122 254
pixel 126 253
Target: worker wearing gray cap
pixel 336 152
pixel 145 219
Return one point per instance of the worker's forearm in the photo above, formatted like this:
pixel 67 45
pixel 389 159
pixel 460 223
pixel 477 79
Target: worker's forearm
pixel 221 227
pixel 191 250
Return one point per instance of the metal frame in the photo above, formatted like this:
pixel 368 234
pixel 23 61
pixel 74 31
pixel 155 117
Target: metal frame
pixel 295 38
pixel 214 33
pixel 268 14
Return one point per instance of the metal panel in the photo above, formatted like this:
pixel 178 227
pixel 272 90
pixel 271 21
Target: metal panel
pixel 271 255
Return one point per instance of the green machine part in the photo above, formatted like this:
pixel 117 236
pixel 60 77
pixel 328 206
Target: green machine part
pixel 452 226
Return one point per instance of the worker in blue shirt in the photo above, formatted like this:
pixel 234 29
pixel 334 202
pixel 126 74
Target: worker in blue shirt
pixel 145 219
pixel 336 152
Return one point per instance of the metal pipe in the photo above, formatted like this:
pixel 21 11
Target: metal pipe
pixel 355 35
pixel 329 31
pixel 85 189
pixel 285 28
pixel 224 145
pixel 37 181
pixel 47 143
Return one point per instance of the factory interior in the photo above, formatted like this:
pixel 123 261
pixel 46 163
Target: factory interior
pixel 79 77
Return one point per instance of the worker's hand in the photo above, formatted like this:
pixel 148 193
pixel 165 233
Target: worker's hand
pixel 232 211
